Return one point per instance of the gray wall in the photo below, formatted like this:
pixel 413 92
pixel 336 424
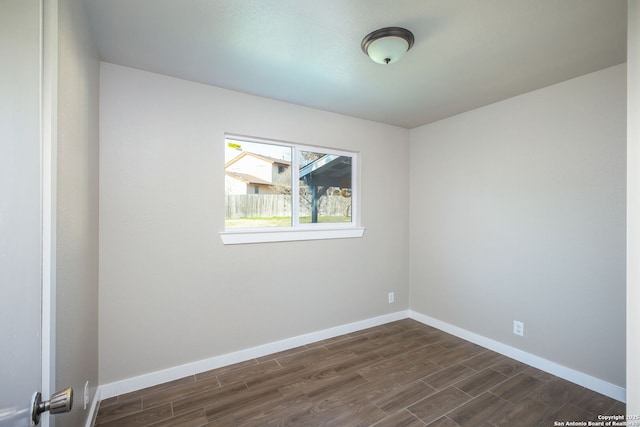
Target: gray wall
pixel 170 291
pixel 518 212
pixel 76 296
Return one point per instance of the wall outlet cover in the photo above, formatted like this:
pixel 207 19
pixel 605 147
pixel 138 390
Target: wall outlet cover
pixel 518 328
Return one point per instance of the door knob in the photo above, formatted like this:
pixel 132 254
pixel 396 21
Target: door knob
pixel 60 402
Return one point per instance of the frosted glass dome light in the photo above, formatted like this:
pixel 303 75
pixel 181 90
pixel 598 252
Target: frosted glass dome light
pixel 387 45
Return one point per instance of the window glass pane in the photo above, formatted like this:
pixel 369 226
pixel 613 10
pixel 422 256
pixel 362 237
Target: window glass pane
pixel 325 187
pixel 257 184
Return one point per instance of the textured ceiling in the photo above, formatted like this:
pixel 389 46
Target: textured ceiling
pixel 467 53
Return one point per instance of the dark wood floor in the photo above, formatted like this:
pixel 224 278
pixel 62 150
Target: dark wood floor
pixel 399 374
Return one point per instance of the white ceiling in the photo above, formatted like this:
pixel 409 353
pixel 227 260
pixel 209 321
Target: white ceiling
pixel 467 53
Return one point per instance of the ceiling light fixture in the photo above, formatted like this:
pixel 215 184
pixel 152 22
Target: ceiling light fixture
pixel 387 45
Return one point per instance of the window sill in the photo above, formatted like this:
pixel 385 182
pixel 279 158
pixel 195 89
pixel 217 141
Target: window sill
pixel 239 237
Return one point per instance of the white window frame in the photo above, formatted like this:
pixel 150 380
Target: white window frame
pixel 296 232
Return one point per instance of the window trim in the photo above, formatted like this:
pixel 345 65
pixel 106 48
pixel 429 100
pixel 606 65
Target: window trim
pixel 288 234
pixel 301 232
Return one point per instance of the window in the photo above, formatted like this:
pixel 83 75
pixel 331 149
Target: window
pixel 276 191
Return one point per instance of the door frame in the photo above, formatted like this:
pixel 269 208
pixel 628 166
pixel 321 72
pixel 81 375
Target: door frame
pixel 48 149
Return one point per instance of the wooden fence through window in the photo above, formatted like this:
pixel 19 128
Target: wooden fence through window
pixel 278 205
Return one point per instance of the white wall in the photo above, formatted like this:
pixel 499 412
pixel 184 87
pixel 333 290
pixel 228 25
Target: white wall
pixel 20 208
pixel 518 213
pixel 633 209
pixel 170 291
pixel 76 328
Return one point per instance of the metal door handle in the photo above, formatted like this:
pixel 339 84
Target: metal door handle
pixel 60 402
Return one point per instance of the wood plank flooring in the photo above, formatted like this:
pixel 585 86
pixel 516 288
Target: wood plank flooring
pixel 399 374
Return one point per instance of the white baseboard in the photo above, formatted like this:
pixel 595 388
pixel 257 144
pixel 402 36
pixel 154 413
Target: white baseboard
pixel 154 378
pixel 577 377
pixel 93 410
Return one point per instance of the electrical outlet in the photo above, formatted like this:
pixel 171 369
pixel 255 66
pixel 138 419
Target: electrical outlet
pixel 392 297
pixel 86 394
pixel 518 328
